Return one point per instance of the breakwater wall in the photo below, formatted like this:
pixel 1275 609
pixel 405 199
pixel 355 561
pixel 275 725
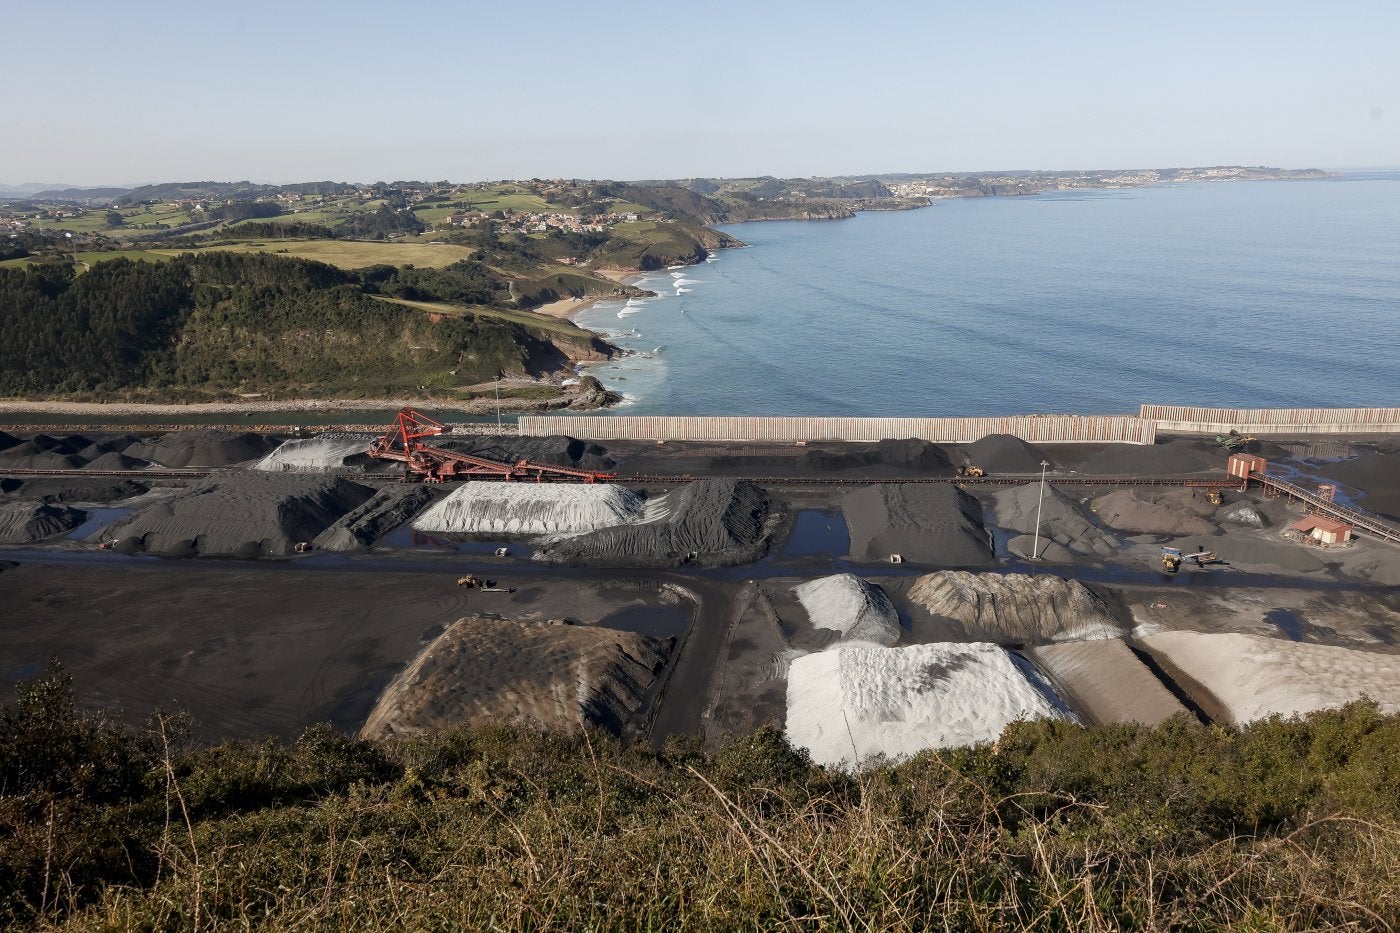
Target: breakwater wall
pixel 1055 429
pixel 1181 419
pixel 1141 428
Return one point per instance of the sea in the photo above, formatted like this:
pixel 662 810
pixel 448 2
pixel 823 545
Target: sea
pixel 1229 294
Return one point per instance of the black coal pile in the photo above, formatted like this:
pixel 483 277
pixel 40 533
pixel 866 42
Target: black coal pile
pixel 1176 455
pixel 54 489
pixel 26 522
pixel 925 523
pixel 1004 453
pixel 240 515
pixel 555 450
pixel 711 523
pixel 376 517
pixel 202 448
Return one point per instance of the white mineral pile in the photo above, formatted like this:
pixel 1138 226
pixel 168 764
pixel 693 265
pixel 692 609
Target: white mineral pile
pixel 320 454
pixel 533 509
pixel 1254 676
pixel 855 705
pixel 845 603
pixel 1015 608
pixel 1106 682
pixel 1062 521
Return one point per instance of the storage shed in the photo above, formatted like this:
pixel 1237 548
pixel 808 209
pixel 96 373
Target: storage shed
pixel 1322 530
pixel 1242 465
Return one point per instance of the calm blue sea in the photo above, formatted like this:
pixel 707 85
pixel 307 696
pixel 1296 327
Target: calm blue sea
pixel 1231 294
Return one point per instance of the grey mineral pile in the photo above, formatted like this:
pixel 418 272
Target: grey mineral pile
pixel 1062 520
pixel 1015 608
pixel 1146 510
pixel 1242 513
pixel 43 452
pixel 25 522
pixel 904 454
pixel 1246 553
pixel 845 603
pixel 927 524
pixel 389 508
pixel 240 515
pixel 202 448
pixel 553 676
pixel 1004 453
pixel 1107 682
pixel 712 522
pixel 480 506
pixel 324 453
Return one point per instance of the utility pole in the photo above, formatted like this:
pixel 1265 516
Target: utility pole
pixel 1035 548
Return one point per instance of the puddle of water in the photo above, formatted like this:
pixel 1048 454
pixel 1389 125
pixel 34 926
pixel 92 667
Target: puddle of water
pixel 656 621
pixel 1288 622
pixel 818 532
pixel 97 520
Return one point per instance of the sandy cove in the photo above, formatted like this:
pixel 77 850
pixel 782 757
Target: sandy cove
pixel 568 307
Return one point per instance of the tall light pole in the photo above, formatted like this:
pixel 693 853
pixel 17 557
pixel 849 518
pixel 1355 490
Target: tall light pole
pixel 1035 548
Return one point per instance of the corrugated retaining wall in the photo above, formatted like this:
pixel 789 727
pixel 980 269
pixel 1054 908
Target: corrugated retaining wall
pixel 1058 429
pixel 1180 419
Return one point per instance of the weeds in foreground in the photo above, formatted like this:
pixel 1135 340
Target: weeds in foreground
pixel 1288 825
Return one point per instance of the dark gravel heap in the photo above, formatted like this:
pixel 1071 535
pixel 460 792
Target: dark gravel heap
pixel 202 448
pixel 25 522
pixel 241 515
pixel 712 522
pixel 1004 453
pixel 72 488
pixel 387 510
pixel 928 524
pixel 555 450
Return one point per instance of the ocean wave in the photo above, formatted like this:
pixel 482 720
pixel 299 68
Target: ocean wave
pixel 683 291
pixel 684 281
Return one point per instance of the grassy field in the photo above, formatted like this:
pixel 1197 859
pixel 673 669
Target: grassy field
pixel 354 254
pixel 88 257
pixel 527 318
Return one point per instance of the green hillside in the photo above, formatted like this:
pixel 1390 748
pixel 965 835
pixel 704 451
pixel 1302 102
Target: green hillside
pixel 213 324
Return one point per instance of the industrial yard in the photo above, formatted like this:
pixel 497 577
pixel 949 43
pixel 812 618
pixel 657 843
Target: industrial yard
pixel 869 598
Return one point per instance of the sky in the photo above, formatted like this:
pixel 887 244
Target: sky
pixel 169 90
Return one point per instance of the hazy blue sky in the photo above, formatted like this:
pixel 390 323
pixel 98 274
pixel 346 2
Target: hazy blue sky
pixel 145 90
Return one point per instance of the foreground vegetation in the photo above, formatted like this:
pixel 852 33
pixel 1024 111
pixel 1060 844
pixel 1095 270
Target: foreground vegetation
pixel 1286 825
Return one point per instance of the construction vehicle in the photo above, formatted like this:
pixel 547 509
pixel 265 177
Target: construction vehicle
pixel 1214 497
pixel 968 469
pixel 1234 440
pixel 402 442
pixel 1172 558
pixel 472 582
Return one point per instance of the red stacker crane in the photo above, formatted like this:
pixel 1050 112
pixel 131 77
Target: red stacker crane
pixel 402 442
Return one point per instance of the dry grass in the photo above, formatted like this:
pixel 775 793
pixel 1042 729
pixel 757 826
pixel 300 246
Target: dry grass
pixel 354 254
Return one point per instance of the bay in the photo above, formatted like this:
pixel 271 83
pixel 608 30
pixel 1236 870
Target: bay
pixel 1251 294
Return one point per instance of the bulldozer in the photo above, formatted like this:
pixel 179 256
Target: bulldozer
pixel 472 582
pixel 1234 440
pixel 1172 558
pixel 968 469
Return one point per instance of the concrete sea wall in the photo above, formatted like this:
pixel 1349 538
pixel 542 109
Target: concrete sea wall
pixel 1142 428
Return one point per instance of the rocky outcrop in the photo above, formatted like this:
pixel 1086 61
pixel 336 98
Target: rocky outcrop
pixel 1015 608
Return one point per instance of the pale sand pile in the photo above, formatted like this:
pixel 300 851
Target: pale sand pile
pixel 333 450
pixel 845 603
pixel 25 522
pixel 711 522
pixel 533 508
pixel 927 524
pixel 553 676
pixel 1107 682
pixel 1253 676
pixel 853 705
pixel 362 526
pixel 1015 608
pixel 1148 511
pixel 240 515
pixel 1062 521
